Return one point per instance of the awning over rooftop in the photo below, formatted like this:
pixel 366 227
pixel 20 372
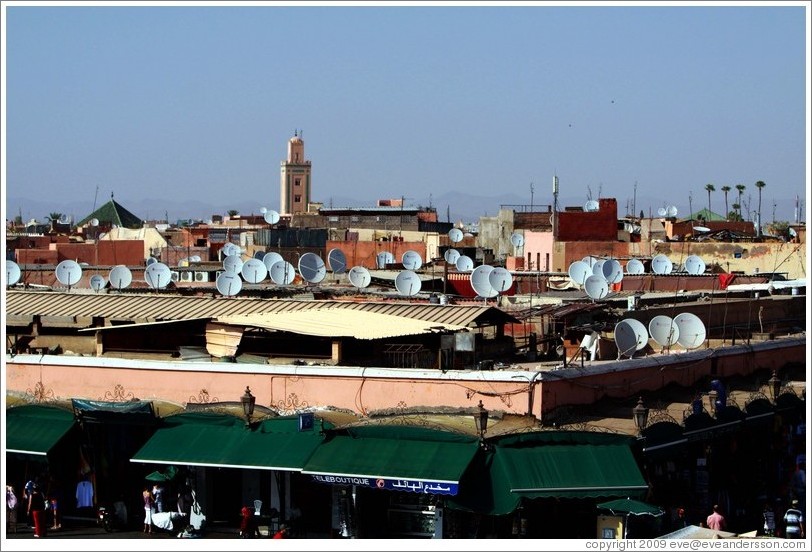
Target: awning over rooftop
pixel 36 429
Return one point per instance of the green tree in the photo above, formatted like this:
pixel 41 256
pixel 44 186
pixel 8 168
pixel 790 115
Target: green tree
pixel 740 188
pixel 760 184
pixel 233 212
pixel 726 189
pixel 53 218
pixel 710 188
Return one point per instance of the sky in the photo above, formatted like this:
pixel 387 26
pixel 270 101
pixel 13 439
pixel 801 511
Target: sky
pixel 168 105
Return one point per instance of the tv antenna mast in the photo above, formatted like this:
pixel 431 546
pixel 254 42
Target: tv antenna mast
pixel 95 197
pixel 531 197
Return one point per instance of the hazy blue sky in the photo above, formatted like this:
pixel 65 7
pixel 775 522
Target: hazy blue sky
pixel 165 103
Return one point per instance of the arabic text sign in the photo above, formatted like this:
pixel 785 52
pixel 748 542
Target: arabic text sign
pixel 410 485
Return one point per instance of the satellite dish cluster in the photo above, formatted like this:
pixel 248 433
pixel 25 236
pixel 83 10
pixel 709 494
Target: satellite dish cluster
pixel 669 211
pixel 685 329
pixel 596 275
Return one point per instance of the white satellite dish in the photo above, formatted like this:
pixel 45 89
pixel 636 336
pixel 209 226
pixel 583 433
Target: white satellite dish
pixel 94 222
pixel 157 275
pixel 68 272
pixel 411 260
pixel 663 330
pixel 612 271
pixel 694 265
pixel 578 272
pixel 671 211
pixel 253 271
pixel 464 263
pixel 271 216
pixel 228 283
pixel 691 330
pixel 12 273
pixel 151 261
pixel 97 282
pixel 480 281
pixel 596 287
pixel 597 268
pixel 233 263
pixel 384 258
pixel 701 229
pixel 590 261
pixel 500 279
pixel 517 239
pixel 630 336
pixel 263 210
pixel 270 259
pixel 661 264
pixel 359 277
pixel 455 235
pixel 120 277
pixel 337 261
pixel 195 259
pixel 635 266
pixel 451 255
pixel 591 206
pixel 662 212
pixel 282 273
pixel 312 268
pixel 407 283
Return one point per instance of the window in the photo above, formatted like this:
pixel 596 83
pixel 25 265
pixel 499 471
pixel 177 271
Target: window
pixel 297 182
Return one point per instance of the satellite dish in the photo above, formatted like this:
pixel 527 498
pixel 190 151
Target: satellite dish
pixel 597 268
pixel 590 261
pixel 464 263
pixel 691 330
pixel 635 266
pixel 663 330
pixel 97 282
pixel 253 271
pixel 517 239
pixel 384 258
pixel 596 287
pixel 271 216
pixel 151 261
pixel 68 273
pixel 591 206
pixel 228 283
pixel 480 281
pixel 157 275
pixel 411 260
pixel 63 219
pixel 312 268
pixel 578 272
pixel 455 235
pixel 359 277
pixel 259 255
pixel 451 255
pixel 661 264
pixel 407 283
pixel 694 265
pixel 662 212
pixel 12 273
pixel 500 279
pixel 120 277
pixel 263 210
pixel 233 263
pixel 337 261
pixel 195 259
pixel 94 222
pixel 630 336
pixel 282 273
pixel 701 229
pixel 612 271
pixel 671 211
pixel 270 259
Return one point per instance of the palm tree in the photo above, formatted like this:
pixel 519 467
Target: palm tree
pixel 740 188
pixel 233 212
pixel 53 218
pixel 736 213
pixel 710 188
pixel 760 184
pixel 726 189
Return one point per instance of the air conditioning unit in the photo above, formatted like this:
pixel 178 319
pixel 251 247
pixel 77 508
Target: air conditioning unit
pixel 175 275
pixel 186 276
pixel 201 276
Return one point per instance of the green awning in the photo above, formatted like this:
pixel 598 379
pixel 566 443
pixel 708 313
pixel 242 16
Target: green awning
pixel 631 506
pixel 205 439
pixel 36 429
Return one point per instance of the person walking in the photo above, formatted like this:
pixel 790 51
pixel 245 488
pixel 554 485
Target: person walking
pixel 36 509
pixel 11 508
pixel 769 520
pixel 716 520
pixel 148 506
pixel 794 522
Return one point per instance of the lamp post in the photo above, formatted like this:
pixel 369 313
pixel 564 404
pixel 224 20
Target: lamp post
pixel 775 386
pixel 248 401
pixel 640 414
pixel 713 394
pixel 481 422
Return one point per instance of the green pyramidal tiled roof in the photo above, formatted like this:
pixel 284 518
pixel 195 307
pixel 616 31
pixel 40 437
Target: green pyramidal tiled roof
pixel 113 213
pixel 705 214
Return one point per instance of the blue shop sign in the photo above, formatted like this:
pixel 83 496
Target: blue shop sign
pixel 409 485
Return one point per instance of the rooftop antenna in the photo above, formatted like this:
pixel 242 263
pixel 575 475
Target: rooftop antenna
pixel 531 197
pixel 555 192
pixel 94 198
pixel 634 199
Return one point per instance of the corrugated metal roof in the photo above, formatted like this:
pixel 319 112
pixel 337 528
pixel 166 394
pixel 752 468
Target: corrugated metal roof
pixel 338 322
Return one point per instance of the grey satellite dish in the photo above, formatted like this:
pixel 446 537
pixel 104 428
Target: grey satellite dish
pixel 500 279
pixel 591 206
pixel 612 271
pixel 263 210
pixel 157 275
pixel 337 261
pixel 407 283
pixel 282 273
pixel 228 283
pixel 701 229
pixel 271 258
pixel 517 239
pixel 630 336
pixel 480 281
pixel 94 222
pixel 271 217
pixel 97 282
pixel 671 211
pixel 312 268
pixel 12 273
pixel 68 273
pixel 578 272
pixel 230 249
pixel 384 258
pixel 663 330
pixel 596 287
pixel 253 271
pixel 120 277
pixel 259 255
pixel 195 259
pixel 233 263
pixel 455 235
pixel 597 268
pixel 635 266
pixel 691 330
pixel 661 212
pixel 451 255
pixel 694 265
pixel 464 263
pixel 590 261
pixel 661 264
pixel 359 277
pixel 151 261
pixel 411 260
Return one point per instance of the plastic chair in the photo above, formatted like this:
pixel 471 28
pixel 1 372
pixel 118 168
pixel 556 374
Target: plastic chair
pixel 257 507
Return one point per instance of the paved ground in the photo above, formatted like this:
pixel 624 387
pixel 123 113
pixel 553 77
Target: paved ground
pixel 88 530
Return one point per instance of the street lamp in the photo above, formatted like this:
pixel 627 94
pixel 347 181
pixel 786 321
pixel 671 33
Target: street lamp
pixel 640 413
pixel 775 385
pixel 248 401
pixel 481 421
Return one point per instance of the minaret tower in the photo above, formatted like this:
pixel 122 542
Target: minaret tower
pixel 294 185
